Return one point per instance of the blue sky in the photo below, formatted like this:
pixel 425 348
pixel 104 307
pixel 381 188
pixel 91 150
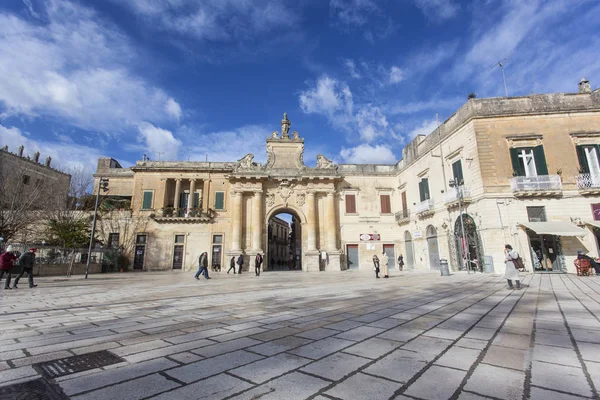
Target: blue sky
pixel 183 79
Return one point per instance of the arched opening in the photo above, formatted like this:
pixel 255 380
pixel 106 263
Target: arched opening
pixel 468 248
pixel 408 249
pixel 284 242
pixel 432 246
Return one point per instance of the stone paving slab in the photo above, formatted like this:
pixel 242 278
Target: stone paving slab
pixel 310 335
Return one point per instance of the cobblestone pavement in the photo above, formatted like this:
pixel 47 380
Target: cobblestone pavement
pixel 293 335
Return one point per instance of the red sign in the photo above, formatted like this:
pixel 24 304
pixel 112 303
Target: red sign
pixel 368 237
pixel 596 211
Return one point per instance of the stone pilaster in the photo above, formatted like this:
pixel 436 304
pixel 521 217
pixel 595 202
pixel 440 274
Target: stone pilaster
pixel 176 196
pixel 190 204
pixel 311 255
pixel 236 222
pixel 257 222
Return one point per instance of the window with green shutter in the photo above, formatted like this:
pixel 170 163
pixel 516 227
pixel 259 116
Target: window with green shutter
pixel 458 172
pixel 424 189
pixel 540 160
pixel 196 200
pixel 147 200
pixel 588 156
pixel 529 161
pixel 219 200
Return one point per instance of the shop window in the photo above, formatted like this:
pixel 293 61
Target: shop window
pixel 536 214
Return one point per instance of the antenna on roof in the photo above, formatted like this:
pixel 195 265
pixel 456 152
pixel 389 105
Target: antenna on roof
pixel 159 154
pixel 499 63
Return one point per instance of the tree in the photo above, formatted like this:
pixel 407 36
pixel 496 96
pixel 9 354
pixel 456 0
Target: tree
pixel 471 95
pixel 69 229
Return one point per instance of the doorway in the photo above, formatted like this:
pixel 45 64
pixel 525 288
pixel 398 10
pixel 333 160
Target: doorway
pixel 408 248
pixel 140 252
pixel 388 249
pixel 178 251
pixel 469 249
pixel 545 252
pixel 432 246
pixel 284 242
pixel 352 256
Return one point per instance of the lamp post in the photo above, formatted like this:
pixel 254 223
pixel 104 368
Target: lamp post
pixel 102 184
pixel 454 183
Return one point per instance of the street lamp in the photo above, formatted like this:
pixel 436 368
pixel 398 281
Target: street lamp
pixel 456 184
pixel 102 184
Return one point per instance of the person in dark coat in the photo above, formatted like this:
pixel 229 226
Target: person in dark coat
pixel 257 263
pixel 582 256
pixel 240 262
pixel 400 262
pixel 232 265
pixel 27 261
pixel 203 266
pixel 376 265
pixel 7 260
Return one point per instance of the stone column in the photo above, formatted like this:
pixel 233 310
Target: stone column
pixel 206 195
pixel 236 221
pixel 331 224
pixel 176 196
pixel 257 222
pixel 190 204
pixel 200 196
pixel 311 218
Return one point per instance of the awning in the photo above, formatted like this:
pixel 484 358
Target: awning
pixel 555 228
pixel 595 224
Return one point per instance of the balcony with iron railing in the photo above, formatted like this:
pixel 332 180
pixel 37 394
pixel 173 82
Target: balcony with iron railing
pixel 588 184
pixel 424 208
pixel 183 215
pixel 542 185
pixel 402 217
pixel 452 195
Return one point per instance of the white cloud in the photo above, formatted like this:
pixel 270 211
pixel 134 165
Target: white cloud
pixel 173 109
pixel 215 20
pixel 352 70
pixel 371 123
pixel 367 154
pixel 76 68
pixel 329 97
pixel 425 128
pixel 438 10
pixel 396 75
pixel 65 154
pixel 160 142
pixel 352 12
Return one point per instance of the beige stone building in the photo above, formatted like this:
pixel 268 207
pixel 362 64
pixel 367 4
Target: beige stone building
pixel 519 170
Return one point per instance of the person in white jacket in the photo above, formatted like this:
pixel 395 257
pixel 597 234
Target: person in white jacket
pixel 511 272
pixel 384 265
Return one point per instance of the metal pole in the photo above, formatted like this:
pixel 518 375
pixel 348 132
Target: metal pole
pixel 87 264
pixel 462 228
pixel 504 79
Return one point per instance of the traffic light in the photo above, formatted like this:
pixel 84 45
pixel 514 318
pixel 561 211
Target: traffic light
pixel 104 184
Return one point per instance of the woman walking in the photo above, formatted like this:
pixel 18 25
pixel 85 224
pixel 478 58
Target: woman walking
pixel 376 265
pixel 512 272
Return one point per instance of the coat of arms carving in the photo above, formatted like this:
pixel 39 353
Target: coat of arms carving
pixel 285 190
pixel 300 199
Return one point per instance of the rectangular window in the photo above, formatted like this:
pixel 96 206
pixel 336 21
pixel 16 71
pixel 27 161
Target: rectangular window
pixel 219 200
pixel 457 172
pixel 536 214
pixel 350 204
pixel 179 238
pixel 196 203
pixel 424 189
pixel 589 156
pixel 113 240
pixel 26 179
pixel 386 205
pixel 529 161
pixel 140 239
pixel 217 238
pixel 147 200
pixel 404 205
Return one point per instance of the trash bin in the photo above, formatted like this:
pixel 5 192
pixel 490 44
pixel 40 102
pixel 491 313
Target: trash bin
pixel 444 271
pixel 488 264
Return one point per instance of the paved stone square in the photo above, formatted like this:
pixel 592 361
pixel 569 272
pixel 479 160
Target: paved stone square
pixel 294 335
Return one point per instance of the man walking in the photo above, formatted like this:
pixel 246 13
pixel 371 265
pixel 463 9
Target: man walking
pixel 27 261
pixel 6 263
pixel 384 265
pixel 257 263
pixel 240 263
pixel 511 270
pixel 400 262
pixel 232 265
pixel 202 266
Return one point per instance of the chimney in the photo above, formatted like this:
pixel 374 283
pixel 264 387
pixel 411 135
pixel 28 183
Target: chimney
pixel 21 148
pixel 36 156
pixel 48 160
pixel 5 148
pixel 584 86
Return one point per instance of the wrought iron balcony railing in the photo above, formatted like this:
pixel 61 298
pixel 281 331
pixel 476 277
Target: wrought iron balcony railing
pixel 587 181
pixel 542 183
pixel 452 195
pixel 424 206
pixel 402 217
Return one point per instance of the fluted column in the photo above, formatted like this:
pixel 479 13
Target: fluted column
pixel 190 204
pixel 200 196
pixel 176 195
pixel 257 221
pixel 311 218
pixel 236 221
pixel 331 225
pixel 206 195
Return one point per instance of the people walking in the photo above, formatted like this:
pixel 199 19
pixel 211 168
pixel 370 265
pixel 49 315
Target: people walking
pixel 202 266
pixel 511 271
pixel 400 262
pixel 240 263
pixel 384 265
pixel 27 261
pixel 257 263
pixel 232 265
pixel 6 263
pixel 376 265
